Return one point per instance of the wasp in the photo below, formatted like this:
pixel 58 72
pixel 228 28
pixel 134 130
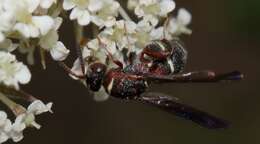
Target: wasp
pixel 161 61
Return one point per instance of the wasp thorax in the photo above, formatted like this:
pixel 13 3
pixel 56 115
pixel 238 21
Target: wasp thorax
pixel 95 75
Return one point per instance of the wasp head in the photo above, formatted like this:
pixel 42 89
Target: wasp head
pixel 95 74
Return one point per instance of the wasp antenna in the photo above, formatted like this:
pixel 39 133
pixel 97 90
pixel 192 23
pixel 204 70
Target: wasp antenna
pixel 82 42
pixel 68 70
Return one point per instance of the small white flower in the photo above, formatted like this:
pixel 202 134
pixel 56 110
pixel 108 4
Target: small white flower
pixel 105 16
pixel 119 36
pixel 97 50
pixel 100 12
pixel 27 24
pixel 18 126
pixel 79 10
pixel 50 42
pixel 153 9
pixel 37 107
pixel 145 33
pixel 13 72
pixel 177 26
pixel 7 20
pixel 28 119
pixel 47 3
pixel 8 45
pixel 59 52
pixel 3 118
pixel 131 4
pixel 5 127
pixel 2 37
pixel 82 16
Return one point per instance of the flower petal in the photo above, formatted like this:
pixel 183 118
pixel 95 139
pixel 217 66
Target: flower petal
pixel 75 13
pixel 23 75
pixel 184 16
pixel 2 37
pixel 57 23
pixel 59 52
pixel 68 4
pixel 23 29
pixel 84 18
pixel 32 5
pixel 95 5
pixel 166 7
pixel 38 107
pixel 44 23
pixel 47 3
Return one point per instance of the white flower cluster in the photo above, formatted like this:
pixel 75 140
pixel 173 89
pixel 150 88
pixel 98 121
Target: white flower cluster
pixel 126 34
pixel 13 72
pixel 27 25
pixel 14 131
pixel 100 12
pixel 152 9
pixel 26 19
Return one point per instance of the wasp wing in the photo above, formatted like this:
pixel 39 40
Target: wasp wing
pixel 197 76
pixel 187 112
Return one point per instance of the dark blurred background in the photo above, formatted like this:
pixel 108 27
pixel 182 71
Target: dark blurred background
pixel 225 37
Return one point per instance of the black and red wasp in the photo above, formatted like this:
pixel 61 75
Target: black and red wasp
pixel 160 61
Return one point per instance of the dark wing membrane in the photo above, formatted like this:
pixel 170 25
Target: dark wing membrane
pixel 187 112
pixel 197 76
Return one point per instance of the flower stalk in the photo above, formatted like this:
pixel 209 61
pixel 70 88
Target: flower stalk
pixel 124 14
pixel 16 108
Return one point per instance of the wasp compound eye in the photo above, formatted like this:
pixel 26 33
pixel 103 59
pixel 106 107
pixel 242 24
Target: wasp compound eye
pixel 95 75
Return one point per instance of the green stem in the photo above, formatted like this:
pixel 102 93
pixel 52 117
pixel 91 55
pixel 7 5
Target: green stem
pixel 43 60
pixel 124 14
pixel 56 9
pixel 11 92
pixel 16 108
pixel 78 30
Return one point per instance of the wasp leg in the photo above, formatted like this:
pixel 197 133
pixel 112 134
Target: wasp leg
pixel 197 76
pixel 80 55
pixel 68 70
pixel 184 111
pixel 158 55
